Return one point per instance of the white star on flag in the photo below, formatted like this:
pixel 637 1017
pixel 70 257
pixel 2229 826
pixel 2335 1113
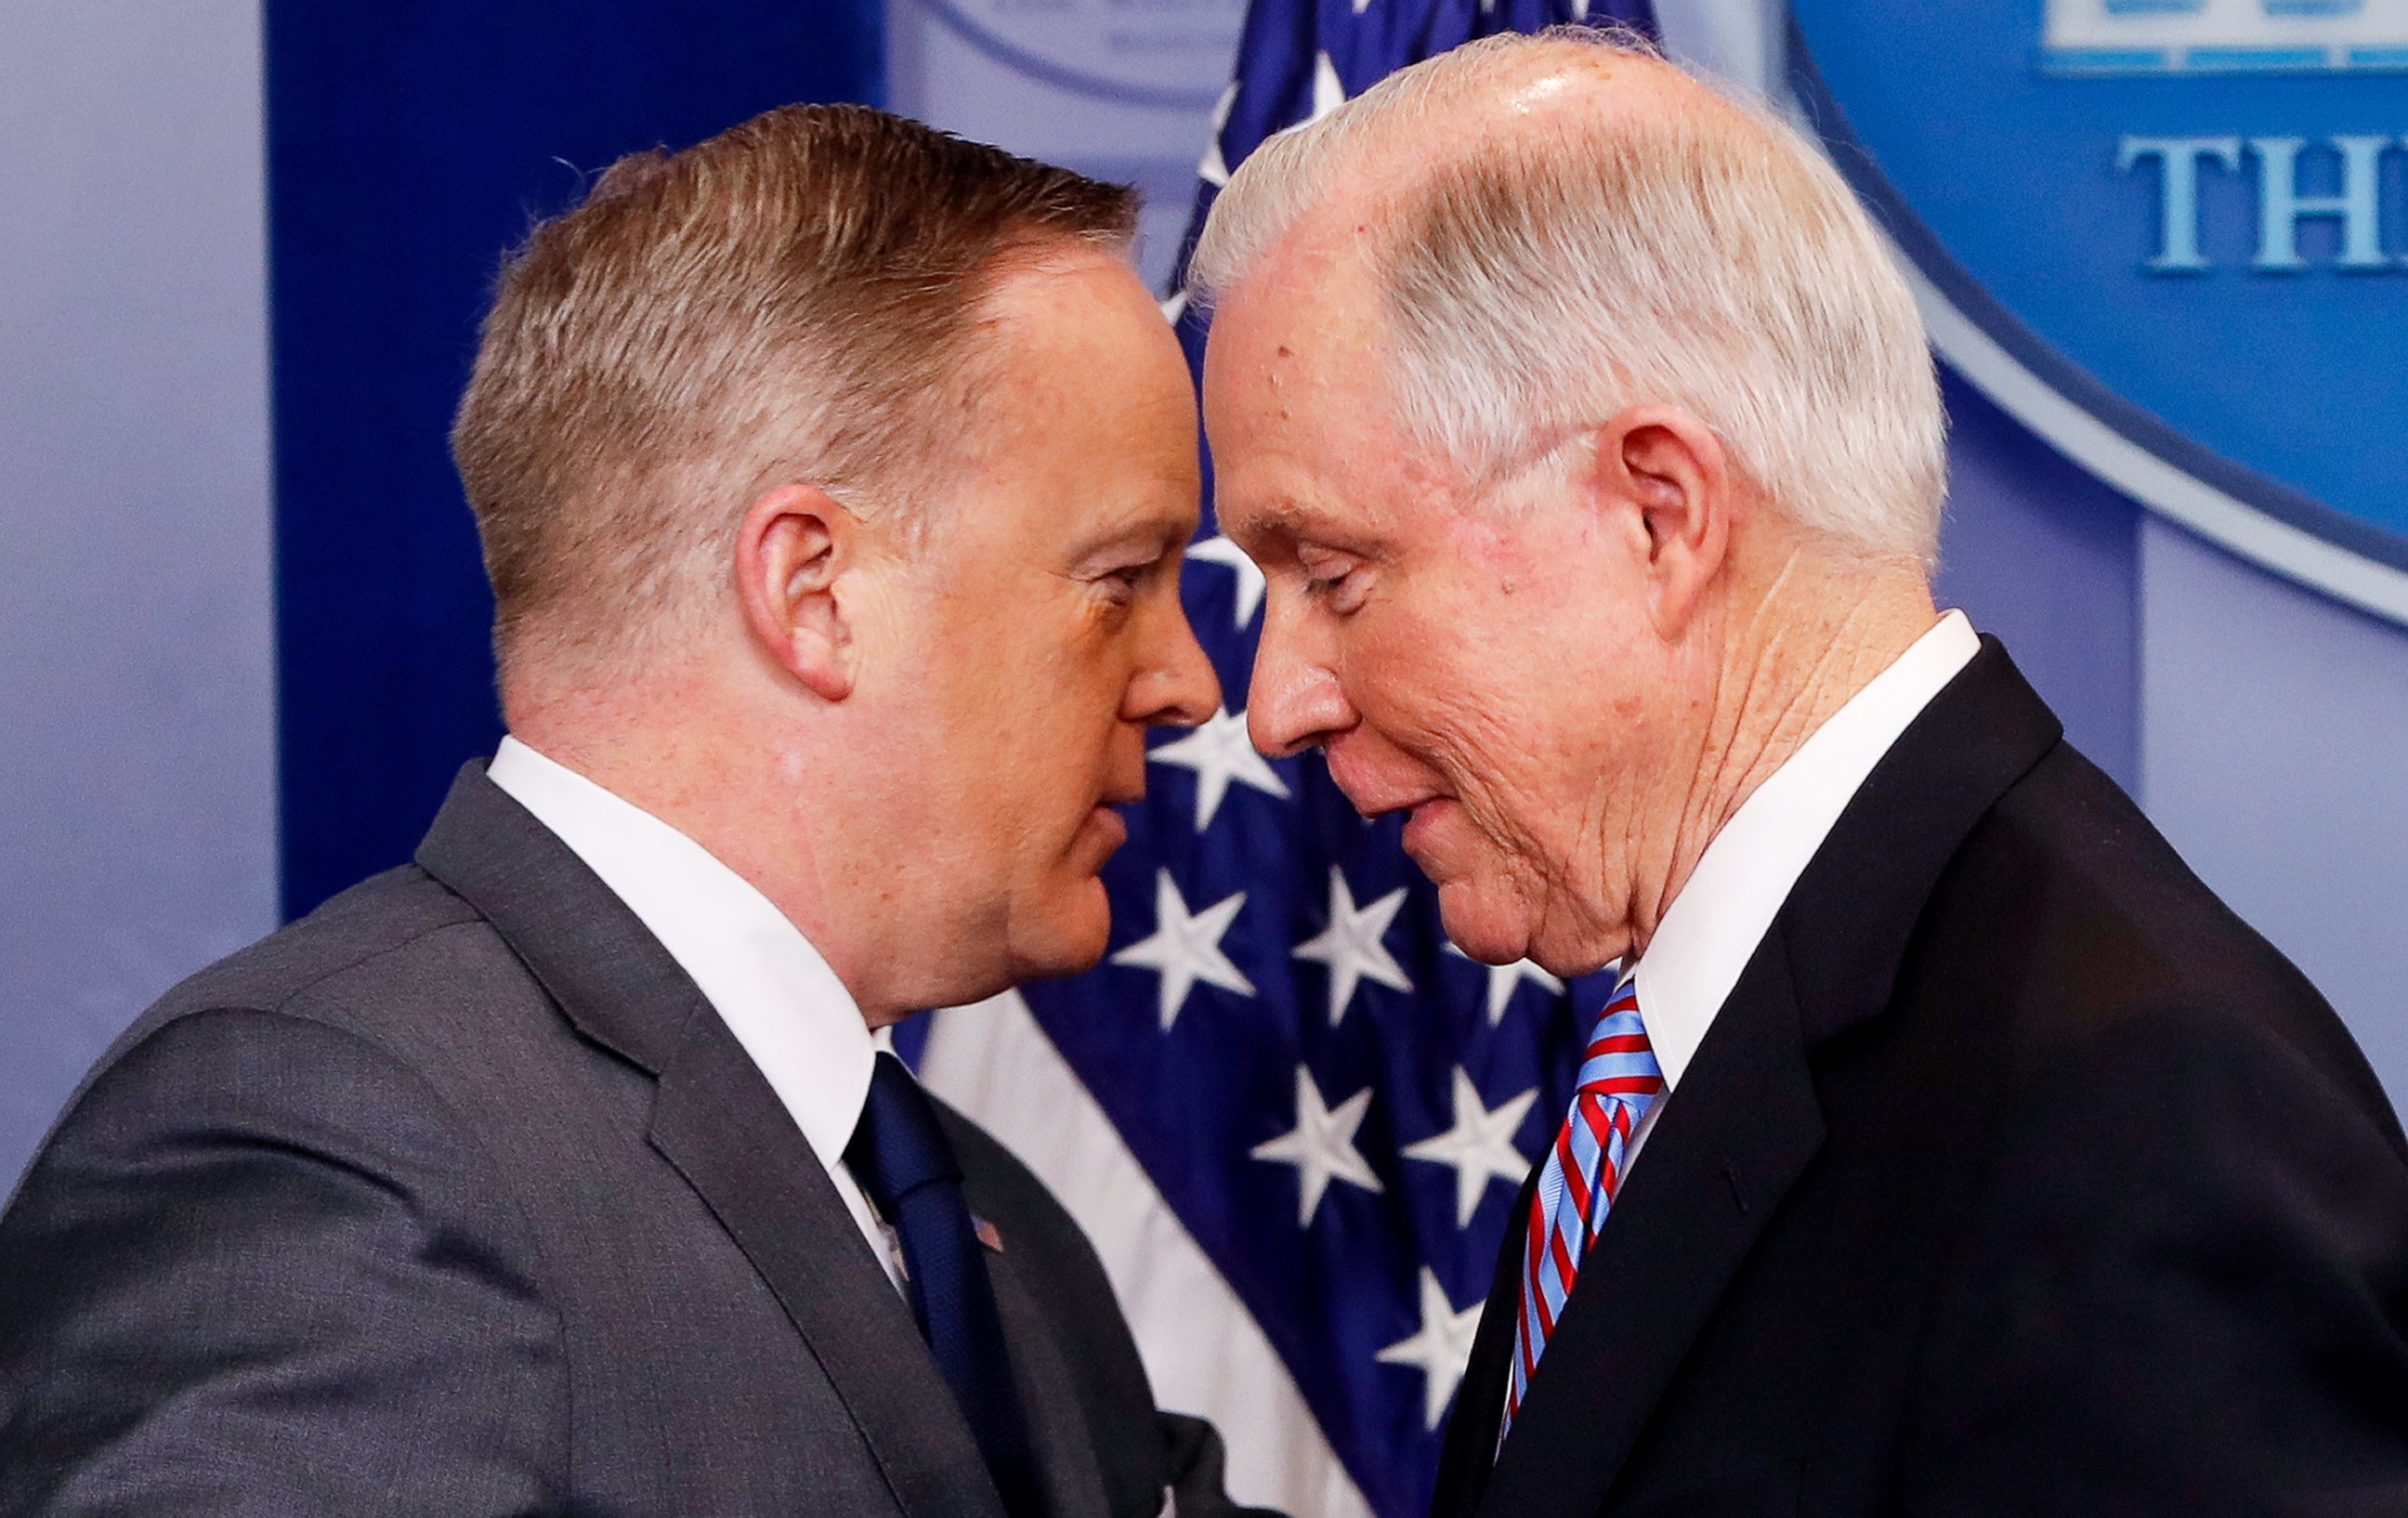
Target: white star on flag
pixel 1350 945
pixel 1214 169
pixel 1504 980
pixel 1321 1146
pixel 1328 94
pixel 1251 585
pixel 1219 752
pixel 1185 949
pixel 1441 1350
pixel 1328 90
pixel 1175 307
pixel 1479 1146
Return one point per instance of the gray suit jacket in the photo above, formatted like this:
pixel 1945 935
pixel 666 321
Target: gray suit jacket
pixel 457 1199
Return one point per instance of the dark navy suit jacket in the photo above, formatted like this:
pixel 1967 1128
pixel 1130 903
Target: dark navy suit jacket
pixel 2016 1175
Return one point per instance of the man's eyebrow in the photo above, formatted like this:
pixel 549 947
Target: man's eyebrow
pixel 1286 517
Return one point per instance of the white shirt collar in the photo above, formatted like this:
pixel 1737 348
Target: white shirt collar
pixel 785 1006
pixel 1713 927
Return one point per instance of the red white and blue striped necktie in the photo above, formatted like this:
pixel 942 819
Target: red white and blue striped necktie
pixel 1619 1079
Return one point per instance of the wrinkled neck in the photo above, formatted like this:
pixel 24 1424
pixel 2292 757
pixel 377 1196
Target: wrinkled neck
pixel 1793 655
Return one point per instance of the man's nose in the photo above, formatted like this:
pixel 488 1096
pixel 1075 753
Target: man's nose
pixel 1180 688
pixel 1294 701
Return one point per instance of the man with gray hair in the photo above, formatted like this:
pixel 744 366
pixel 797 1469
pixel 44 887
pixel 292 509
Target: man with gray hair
pixel 832 476
pixel 1946 1147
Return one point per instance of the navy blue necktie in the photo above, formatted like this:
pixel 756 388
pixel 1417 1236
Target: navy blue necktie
pixel 900 1156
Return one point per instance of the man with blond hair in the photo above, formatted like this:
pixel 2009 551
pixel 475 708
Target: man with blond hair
pixel 833 477
pixel 1947 1147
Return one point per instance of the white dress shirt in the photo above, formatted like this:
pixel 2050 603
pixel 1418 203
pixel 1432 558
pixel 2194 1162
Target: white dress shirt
pixel 794 1017
pixel 1713 927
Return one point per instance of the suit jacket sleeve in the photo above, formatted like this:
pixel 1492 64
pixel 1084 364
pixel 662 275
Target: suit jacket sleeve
pixel 2187 1294
pixel 1198 1485
pixel 255 1272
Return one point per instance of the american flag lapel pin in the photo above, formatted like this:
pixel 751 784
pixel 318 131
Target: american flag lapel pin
pixel 988 1233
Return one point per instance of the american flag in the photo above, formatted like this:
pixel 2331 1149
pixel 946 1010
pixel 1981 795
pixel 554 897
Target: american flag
pixel 1335 1105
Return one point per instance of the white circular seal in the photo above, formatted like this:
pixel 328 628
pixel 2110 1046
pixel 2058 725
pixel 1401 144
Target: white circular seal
pixel 1146 52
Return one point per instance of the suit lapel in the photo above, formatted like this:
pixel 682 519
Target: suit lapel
pixel 718 1123
pixel 1727 1148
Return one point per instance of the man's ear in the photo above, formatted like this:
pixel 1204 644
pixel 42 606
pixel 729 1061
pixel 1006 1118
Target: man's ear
pixel 1669 466
pixel 795 543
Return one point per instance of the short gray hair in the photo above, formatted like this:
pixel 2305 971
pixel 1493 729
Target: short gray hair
pixel 1536 284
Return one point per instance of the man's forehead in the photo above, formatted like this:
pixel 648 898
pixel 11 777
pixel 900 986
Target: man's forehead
pixel 1333 474
pixel 1295 395
pixel 1298 337
pixel 1284 375
pixel 1311 290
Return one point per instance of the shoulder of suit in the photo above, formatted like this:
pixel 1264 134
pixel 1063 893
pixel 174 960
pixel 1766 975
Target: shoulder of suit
pixel 357 933
pixel 388 960
pixel 2085 911
pixel 389 1011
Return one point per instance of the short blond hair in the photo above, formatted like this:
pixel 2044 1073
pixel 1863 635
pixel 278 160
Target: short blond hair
pixel 795 299
pixel 1536 281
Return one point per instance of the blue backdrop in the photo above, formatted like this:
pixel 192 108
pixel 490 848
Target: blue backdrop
pixel 408 146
